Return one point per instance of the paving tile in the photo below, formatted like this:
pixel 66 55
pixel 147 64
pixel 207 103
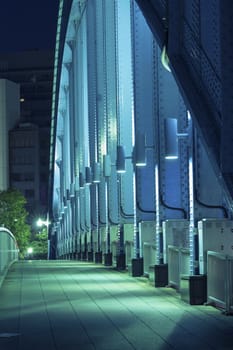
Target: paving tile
pixel 57 305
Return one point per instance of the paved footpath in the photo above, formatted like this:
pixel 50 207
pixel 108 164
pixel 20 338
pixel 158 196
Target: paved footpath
pixel 71 305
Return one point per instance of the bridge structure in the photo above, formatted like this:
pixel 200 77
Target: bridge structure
pixel 140 183
pixel 141 142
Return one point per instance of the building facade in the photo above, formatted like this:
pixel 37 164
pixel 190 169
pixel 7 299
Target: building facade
pixel 28 147
pixel 9 117
pixel 33 71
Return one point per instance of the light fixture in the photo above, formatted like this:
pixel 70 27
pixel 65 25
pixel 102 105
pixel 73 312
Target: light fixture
pixel 107 165
pixel 30 250
pixel 96 172
pixel 139 155
pixel 81 180
pixel 65 202
pixel 88 175
pixel 120 159
pixel 72 189
pixel 68 194
pixel 41 222
pixel 171 141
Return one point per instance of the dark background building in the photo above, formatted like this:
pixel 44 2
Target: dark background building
pixel 33 70
pixel 29 140
pixel 27 44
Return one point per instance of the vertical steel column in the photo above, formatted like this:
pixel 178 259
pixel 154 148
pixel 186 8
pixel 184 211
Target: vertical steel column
pixel 191 197
pixel 71 69
pixel 111 107
pixel 92 115
pixel 145 104
pixel 102 119
pixel 125 113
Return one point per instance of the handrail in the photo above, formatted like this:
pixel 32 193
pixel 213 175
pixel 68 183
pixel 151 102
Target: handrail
pixel 9 251
pixel 219 281
pixel 4 229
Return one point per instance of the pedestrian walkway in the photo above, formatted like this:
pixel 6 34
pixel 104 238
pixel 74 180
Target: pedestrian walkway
pixel 71 305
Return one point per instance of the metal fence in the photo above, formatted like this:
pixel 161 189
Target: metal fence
pixel 219 280
pixel 9 251
pixel 178 264
pixel 149 256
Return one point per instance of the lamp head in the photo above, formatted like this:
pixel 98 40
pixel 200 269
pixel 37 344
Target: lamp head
pixel 171 141
pixel 120 160
pixel 139 152
pixel 96 172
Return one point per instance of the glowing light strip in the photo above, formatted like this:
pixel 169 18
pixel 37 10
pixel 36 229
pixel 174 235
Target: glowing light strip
pixel 191 203
pixel 157 231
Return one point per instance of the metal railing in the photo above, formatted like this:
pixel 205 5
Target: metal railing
pixel 178 264
pixel 149 256
pixel 9 251
pixel 219 280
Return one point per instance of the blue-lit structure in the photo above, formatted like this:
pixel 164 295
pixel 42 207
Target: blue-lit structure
pixel 141 79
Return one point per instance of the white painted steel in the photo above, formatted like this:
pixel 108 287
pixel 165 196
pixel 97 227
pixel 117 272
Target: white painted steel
pixel 219 281
pixel 178 264
pixel 9 251
pixel 214 235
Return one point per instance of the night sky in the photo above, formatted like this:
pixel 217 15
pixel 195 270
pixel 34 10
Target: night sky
pixel 28 25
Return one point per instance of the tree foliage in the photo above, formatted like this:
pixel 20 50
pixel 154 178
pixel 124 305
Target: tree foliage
pixel 40 245
pixel 13 216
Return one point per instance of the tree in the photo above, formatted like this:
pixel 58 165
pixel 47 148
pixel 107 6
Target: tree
pixel 40 244
pixel 13 216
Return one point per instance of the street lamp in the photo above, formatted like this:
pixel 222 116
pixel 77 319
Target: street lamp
pixel 46 223
pixel 138 155
pixel 29 252
pixel 41 222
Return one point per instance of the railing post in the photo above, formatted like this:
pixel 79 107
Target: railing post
pixel 8 251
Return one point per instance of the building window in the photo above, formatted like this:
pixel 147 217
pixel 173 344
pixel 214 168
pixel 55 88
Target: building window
pixel 28 176
pixel 16 177
pixel 29 193
pixel 3 66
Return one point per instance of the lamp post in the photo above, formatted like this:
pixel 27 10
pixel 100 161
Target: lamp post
pixel 138 158
pixel 45 223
